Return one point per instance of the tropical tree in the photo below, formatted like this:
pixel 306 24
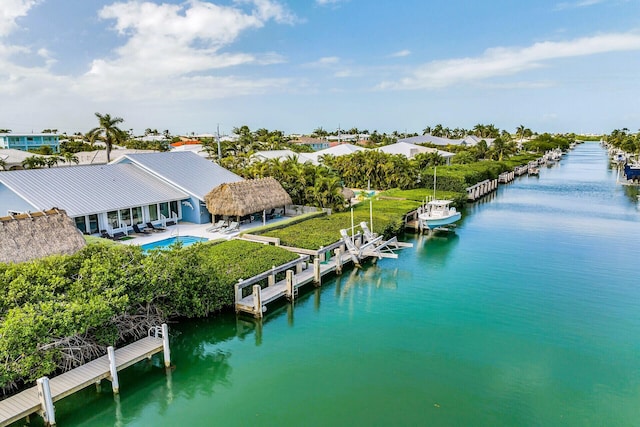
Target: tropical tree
pixel 33 162
pixel 69 157
pixel 3 164
pixel 108 132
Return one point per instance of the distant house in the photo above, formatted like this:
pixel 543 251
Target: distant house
pixel 411 150
pixel 472 140
pixel 135 189
pixel 281 155
pixel 336 150
pixel 30 141
pixel 316 144
pixel 430 139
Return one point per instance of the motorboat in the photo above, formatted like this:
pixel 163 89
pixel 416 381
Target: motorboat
pixel 438 214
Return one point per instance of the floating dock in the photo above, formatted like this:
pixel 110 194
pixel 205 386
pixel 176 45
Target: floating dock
pixel 40 399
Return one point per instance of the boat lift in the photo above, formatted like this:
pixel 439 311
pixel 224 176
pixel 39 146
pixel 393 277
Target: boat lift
pixel 371 245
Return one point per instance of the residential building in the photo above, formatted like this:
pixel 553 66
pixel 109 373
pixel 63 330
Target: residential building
pixel 135 189
pixel 411 150
pixel 30 141
pixel 316 144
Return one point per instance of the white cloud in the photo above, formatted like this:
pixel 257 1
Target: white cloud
pixel 577 4
pixel 329 2
pixel 401 53
pixel 177 47
pixel 10 11
pixel 170 53
pixel 323 62
pixel 501 61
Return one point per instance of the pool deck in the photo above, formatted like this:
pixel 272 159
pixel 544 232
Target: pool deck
pixel 191 229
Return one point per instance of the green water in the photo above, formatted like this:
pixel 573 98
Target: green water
pixel 528 316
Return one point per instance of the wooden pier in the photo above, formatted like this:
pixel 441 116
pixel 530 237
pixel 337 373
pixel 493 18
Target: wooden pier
pixel 506 177
pixel 481 189
pixel 40 398
pixel 299 272
pixel 310 267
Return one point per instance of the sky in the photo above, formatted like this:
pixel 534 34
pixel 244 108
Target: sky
pixel 297 65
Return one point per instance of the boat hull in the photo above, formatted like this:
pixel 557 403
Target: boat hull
pixel 432 223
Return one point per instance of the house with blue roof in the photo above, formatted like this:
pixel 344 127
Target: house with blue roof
pixel 30 141
pixel 135 189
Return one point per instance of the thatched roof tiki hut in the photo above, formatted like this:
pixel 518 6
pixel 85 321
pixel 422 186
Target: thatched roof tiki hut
pixel 34 235
pixel 246 197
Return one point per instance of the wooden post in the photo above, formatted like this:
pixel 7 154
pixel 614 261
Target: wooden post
pixel 257 301
pixel 299 267
pixel 272 277
pixel 46 401
pixel 291 291
pixel 316 271
pixel 165 345
pixel 338 260
pixel 115 386
pixel 238 291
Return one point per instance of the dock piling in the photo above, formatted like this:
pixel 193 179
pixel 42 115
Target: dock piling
pixel 316 271
pixel 257 301
pixel 46 401
pixel 339 260
pixel 291 290
pixel 115 385
pixel 165 345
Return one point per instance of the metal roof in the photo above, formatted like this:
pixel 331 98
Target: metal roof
pixel 184 169
pixel 84 190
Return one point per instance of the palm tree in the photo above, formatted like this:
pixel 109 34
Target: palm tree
pixel 107 131
pixel 69 157
pixel 520 132
pixel 426 131
pixel 33 162
pixel 3 164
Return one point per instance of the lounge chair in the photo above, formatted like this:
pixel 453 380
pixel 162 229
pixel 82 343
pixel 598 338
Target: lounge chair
pixel 105 235
pixel 155 228
pixel 233 226
pixel 217 226
pixel 119 235
pixel 139 230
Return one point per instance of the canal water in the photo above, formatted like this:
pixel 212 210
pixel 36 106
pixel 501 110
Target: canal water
pixel 528 316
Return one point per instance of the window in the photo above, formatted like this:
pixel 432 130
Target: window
pixel 125 216
pixel 93 223
pixel 112 219
pixel 164 209
pixel 174 208
pixel 80 223
pixel 153 212
pixel 136 215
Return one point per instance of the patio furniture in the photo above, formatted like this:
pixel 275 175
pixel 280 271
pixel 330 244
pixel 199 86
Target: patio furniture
pixel 233 226
pixel 139 230
pixel 155 228
pixel 217 226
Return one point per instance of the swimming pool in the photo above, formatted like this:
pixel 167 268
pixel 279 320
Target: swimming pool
pixel 165 243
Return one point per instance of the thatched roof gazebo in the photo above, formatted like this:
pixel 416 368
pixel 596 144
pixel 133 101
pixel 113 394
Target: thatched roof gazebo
pixel 26 237
pixel 246 197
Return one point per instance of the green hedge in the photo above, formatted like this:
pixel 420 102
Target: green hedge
pixel 388 219
pixel 80 295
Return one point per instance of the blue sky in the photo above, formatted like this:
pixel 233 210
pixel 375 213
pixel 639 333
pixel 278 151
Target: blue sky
pixel 385 65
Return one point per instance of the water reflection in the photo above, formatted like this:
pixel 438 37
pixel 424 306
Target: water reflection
pixel 436 248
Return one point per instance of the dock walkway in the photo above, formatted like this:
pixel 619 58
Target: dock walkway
pixel 29 401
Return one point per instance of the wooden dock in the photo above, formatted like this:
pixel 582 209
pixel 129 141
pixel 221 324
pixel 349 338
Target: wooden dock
pixel 298 273
pixel 481 189
pixel 303 271
pixel 33 400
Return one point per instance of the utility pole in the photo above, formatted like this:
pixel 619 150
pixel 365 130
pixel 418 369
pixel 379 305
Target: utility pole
pixel 218 140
